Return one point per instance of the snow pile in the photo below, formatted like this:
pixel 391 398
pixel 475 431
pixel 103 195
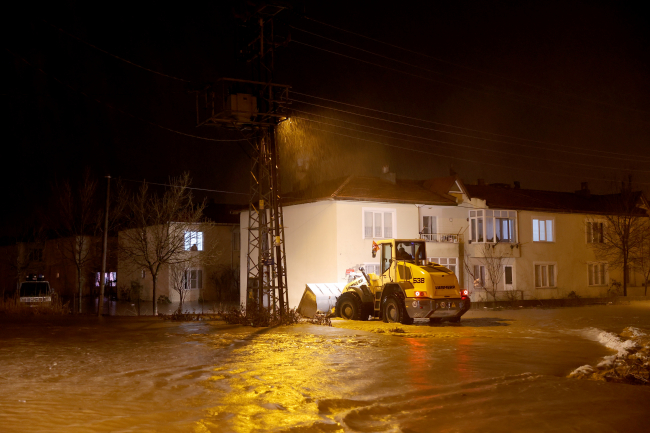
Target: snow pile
pixel 630 364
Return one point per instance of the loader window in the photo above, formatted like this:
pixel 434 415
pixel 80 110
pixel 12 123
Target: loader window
pixel 386 255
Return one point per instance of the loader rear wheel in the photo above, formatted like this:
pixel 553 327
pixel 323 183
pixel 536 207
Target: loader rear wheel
pixel 395 312
pixel 349 307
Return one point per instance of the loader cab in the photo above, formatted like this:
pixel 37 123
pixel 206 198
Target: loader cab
pixel 400 250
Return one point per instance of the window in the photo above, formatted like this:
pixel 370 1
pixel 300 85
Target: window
pixel 543 230
pixel 597 274
pixel 429 225
pixel 194 279
pixel 508 277
pixel 479 276
pixel 193 241
pixel 594 232
pixel 448 262
pixel 493 225
pixel 545 275
pixel 386 254
pixel 378 223
pixel 109 281
pixel 372 268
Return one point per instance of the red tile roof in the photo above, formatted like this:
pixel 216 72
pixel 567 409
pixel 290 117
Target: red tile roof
pixel 360 188
pixel 500 197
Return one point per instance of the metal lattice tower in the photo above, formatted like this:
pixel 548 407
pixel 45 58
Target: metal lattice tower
pixel 257 105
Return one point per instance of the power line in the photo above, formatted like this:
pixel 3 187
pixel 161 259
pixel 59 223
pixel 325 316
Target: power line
pixel 463 66
pixel 115 56
pixel 470 88
pixel 592 166
pixel 187 187
pixel 636 158
pixel 466 159
pixel 455 126
pixel 119 109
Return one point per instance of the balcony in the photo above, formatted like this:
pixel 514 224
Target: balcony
pixel 450 238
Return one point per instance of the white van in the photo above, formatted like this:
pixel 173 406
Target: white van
pixel 36 292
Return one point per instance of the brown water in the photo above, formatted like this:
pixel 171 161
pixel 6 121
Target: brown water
pixel 496 371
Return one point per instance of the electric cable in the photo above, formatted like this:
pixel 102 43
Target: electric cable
pixel 452 126
pixel 115 56
pixel 470 88
pixel 120 110
pixel 590 166
pixel 468 67
pixel 467 159
pixel 636 159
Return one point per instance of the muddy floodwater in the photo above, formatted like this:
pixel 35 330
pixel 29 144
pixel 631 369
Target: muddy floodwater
pixel 496 371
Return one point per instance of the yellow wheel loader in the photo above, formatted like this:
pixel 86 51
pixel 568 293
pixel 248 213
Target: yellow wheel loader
pixel 408 288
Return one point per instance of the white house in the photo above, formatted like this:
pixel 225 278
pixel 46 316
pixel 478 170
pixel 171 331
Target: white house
pixel 330 228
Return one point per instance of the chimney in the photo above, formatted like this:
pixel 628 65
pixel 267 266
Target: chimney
pixel 481 182
pixel 584 189
pixel 384 169
pixel 517 184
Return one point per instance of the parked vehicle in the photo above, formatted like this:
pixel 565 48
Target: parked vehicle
pixel 408 288
pixel 36 292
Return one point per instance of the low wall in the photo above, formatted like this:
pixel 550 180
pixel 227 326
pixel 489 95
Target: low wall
pixel 555 303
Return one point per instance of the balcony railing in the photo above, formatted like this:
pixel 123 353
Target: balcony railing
pixel 452 238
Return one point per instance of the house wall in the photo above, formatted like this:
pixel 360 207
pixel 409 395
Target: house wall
pixel 310 247
pixel 569 252
pixel 352 248
pixel 325 238
pixel 217 238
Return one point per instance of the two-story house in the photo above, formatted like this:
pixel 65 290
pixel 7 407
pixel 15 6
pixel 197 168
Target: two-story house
pixel 540 243
pixel 330 227
pixel 210 252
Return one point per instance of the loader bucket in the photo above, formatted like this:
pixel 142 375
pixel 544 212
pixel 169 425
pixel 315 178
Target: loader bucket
pixel 319 298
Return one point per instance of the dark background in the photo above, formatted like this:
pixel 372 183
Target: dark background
pixel 551 94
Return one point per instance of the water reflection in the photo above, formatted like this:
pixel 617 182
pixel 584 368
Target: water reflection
pixel 276 379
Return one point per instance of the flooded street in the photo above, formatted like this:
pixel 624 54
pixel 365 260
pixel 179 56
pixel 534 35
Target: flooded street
pixel 495 371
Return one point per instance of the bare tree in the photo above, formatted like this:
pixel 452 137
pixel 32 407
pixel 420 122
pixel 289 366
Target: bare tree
pixel 189 262
pixel 157 235
pixel 492 259
pixel 77 222
pixel 621 231
pixel 641 254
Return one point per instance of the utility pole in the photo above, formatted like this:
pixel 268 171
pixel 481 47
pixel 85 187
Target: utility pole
pixel 102 278
pixel 256 106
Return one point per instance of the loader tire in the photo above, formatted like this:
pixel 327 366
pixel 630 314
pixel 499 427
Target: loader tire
pixel 349 307
pixel 395 311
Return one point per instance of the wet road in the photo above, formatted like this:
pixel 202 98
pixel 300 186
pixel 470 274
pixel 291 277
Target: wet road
pixel 495 371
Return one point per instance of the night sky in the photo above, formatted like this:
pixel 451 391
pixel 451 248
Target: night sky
pixel 551 95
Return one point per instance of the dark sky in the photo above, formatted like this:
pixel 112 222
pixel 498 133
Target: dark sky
pixel 549 94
